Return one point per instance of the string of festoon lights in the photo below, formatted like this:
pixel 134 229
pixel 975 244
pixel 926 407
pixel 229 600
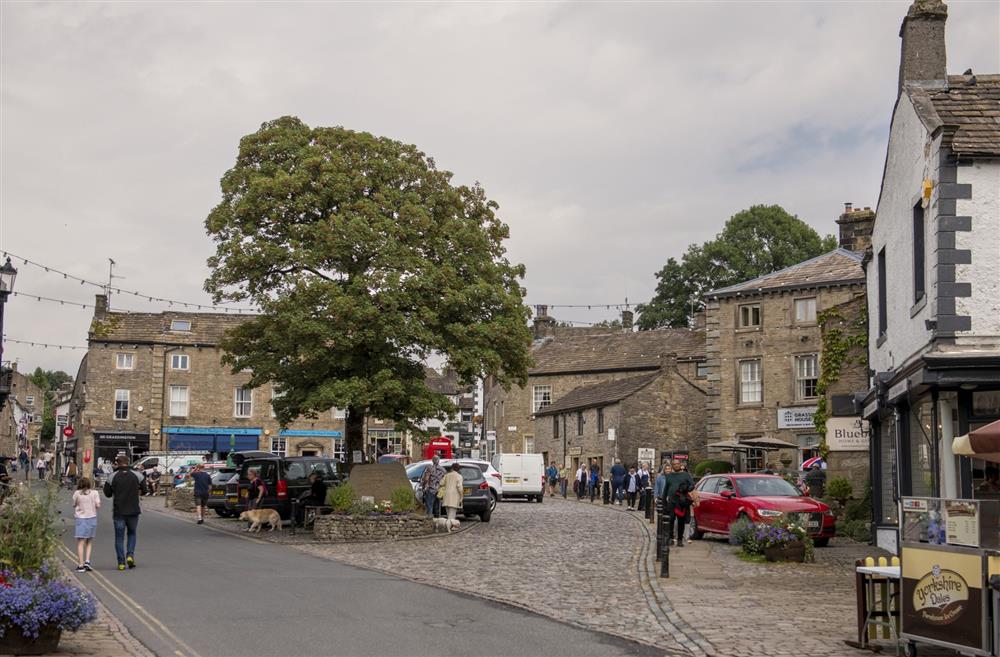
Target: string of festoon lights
pixel 117 290
pixel 43 345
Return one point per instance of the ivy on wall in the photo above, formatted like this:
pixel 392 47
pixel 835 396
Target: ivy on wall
pixel 844 342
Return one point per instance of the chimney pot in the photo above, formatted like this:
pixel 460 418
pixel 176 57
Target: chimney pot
pixel 847 206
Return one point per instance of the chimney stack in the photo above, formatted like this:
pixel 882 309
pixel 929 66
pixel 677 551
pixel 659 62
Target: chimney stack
pixel 856 228
pixel 922 56
pixel 627 317
pixel 100 305
pixel 543 324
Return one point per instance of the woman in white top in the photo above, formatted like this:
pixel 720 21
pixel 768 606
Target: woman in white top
pixel 86 502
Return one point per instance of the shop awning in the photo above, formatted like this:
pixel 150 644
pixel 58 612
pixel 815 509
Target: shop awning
pixel 769 443
pixel 982 443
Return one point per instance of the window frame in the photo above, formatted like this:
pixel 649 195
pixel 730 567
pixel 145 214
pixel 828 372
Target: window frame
pixel 338 413
pixel 799 381
pixel 538 403
pixel 701 369
pixel 580 421
pixel 279 441
pixel 795 311
pixel 883 310
pixel 127 402
pixel 123 356
pixel 175 325
pixel 739 316
pixel 600 420
pixel 175 358
pixel 29 400
pixel 172 401
pixel 740 382
pixel 555 426
pixel 919 253
pixel 237 401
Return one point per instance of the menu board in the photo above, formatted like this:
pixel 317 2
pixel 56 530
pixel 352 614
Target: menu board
pixel 961 522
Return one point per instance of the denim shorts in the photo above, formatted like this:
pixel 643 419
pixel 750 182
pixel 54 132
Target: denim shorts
pixel 86 527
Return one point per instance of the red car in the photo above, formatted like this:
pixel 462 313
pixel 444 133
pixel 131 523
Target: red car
pixel 760 498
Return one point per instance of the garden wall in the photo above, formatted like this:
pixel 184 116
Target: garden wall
pixel 340 529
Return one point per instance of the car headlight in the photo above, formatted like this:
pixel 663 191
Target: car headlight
pixel 829 512
pixel 768 513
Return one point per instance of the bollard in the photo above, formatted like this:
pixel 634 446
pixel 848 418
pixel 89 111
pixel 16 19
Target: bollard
pixel 295 515
pixel 606 492
pixel 648 495
pixel 665 562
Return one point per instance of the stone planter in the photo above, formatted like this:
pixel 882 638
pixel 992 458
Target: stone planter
pixel 15 643
pixel 795 552
pixel 348 529
pixel 181 499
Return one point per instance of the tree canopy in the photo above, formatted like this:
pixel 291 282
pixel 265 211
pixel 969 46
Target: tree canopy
pixel 754 242
pixel 364 260
pixel 49 381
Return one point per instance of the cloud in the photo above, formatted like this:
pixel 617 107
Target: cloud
pixel 612 135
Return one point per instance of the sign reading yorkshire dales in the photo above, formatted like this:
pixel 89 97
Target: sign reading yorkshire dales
pixel 943 597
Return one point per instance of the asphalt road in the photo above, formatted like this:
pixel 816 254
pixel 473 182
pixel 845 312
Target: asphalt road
pixel 202 593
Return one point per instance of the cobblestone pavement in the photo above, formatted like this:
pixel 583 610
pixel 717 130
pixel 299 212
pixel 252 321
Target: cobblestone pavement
pixel 105 637
pixel 593 566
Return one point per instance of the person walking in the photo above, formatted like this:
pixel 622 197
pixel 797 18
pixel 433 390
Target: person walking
pixel 643 473
pixel 451 487
pixel 25 462
pixel 71 472
pixel 676 500
pixel 86 502
pixel 582 481
pixel 618 474
pixel 563 480
pixel 258 489
pixel 430 483
pixel 632 487
pixel 552 477
pixel 595 479
pixel 202 487
pixel 47 456
pixel 125 485
pixel 40 468
pixel 816 481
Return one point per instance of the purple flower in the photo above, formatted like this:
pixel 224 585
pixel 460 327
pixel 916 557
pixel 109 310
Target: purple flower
pixel 30 602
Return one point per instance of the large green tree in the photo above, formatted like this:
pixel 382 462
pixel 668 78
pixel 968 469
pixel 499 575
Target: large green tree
pixel 364 260
pixel 49 381
pixel 754 242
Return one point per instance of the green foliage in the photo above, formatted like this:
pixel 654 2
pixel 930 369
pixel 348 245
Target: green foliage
pixel 403 498
pixel 844 341
pixel 757 241
pixel 49 381
pixel 840 489
pixel 341 497
pixel 29 528
pixel 716 467
pixel 364 260
pixel 860 509
pixel 858 530
pixel 741 533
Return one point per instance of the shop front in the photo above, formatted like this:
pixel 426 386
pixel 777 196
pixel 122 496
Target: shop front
pixel 306 442
pixel 218 441
pixel 915 416
pixel 110 444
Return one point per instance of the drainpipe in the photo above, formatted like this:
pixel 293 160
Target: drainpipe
pixel 163 403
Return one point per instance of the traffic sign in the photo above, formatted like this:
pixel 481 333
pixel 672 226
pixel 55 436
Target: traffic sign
pixel 68 432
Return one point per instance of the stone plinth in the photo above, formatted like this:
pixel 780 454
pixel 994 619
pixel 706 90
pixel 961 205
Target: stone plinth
pixel 181 499
pixel 344 529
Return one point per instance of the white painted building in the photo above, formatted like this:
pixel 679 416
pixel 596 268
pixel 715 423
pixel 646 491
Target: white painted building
pixel 934 276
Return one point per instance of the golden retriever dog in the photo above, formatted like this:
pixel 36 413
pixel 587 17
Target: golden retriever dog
pixel 259 516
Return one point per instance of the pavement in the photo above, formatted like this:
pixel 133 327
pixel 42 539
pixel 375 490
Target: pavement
pixel 201 592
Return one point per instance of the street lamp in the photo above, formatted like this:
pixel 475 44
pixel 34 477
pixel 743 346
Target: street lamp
pixel 7 276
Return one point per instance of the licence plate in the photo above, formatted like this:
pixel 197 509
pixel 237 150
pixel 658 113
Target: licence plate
pixel 510 480
pixel 218 493
pixel 466 491
pixel 814 524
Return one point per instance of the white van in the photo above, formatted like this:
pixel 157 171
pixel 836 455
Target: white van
pixel 523 475
pixel 165 462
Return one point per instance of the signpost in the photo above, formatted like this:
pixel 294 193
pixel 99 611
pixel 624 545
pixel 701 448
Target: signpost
pixel 68 432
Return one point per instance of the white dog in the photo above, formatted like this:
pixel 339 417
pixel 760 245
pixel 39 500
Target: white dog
pixel 443 524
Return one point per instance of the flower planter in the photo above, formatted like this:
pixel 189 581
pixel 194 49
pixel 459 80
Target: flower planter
pixel 795 552
pixel 15 643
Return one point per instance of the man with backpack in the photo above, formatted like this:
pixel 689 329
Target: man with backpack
pixel 125 486
pixel 677 500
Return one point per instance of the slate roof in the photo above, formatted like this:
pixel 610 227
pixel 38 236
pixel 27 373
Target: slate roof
pixel 145 328
pixel 600 394
pixel 837 267
pixel 445 384
pixel 968 112
pixel 616 351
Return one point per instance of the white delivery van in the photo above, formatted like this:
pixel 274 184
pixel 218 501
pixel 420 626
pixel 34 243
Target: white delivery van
pixel 523 475
pixel 167 461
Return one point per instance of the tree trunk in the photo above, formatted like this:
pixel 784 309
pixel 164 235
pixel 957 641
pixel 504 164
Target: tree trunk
pixel 354 433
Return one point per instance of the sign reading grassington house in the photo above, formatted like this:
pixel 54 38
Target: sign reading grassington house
pixel 847 434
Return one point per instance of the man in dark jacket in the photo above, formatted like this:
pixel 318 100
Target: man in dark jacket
pixel 618 473
pixel 315 496
pixel 816 481
pixel 125 486
pixel 677 487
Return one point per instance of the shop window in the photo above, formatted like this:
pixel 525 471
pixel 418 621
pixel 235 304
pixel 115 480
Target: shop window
pixel 555 426
pixel 806 376
pixel 755 460
pixel 541 396
pixel 749 315
pixel 805 311
pixel 600 420
pixel 921 445
pixel 751 384
pixel 121 404
pixel 278 445
pixel 124 361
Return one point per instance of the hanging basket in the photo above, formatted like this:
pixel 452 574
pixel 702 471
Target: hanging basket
pixel 15 643
pixel 795 552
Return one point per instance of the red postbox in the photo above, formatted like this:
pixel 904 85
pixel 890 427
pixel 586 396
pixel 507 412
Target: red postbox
pixel 438 446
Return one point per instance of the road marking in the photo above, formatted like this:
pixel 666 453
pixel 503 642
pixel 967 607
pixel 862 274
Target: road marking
pixel 137 610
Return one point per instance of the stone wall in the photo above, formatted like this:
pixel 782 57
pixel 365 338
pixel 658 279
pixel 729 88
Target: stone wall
pixel 345 529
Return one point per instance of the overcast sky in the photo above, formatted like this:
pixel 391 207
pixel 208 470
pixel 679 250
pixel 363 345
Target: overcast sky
pixel 611 135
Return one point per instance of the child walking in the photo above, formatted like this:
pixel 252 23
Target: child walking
pixel 86 502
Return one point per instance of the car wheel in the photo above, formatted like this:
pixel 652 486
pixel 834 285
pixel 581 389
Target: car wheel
pixel 222 513
pixel 485 516
pixel 696 534
pixel 494 499
pixel 540 498
pixel 821 542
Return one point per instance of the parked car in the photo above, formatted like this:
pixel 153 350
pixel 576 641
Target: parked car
pixel 493 477
pixel 523 475
pixel 396 458
pixel 286 478
pixel 217 499
pixel 759 498
pixel 167 461
pixel 477 500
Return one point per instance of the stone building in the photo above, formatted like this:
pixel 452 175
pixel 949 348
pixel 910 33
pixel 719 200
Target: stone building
pixel 155 381
pixel 567 358
pixel 22 416
pixel 658 413
pixel 934 277
pixel 763 347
